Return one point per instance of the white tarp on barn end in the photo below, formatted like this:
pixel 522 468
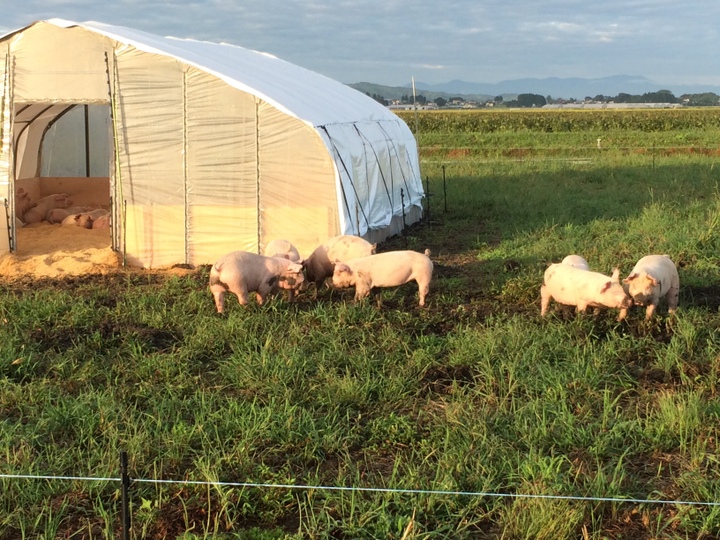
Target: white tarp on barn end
pixel 210 147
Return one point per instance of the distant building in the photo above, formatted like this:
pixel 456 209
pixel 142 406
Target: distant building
pixel 396 106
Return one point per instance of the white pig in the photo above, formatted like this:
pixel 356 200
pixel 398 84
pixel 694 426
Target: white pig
pixel 577 261
pixel 23 202
pixel 102 221
pixel 97 212
pixel 319 265
pixel 80 220
pixel 284 249
pixel 37 213
pixel 58 215
pixel 583 288
pixel 388 269
pixel 653 277
pixel 241 272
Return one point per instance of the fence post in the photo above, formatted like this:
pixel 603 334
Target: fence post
pixel 125 480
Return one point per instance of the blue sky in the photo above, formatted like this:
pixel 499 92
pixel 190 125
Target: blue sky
pixel 388 42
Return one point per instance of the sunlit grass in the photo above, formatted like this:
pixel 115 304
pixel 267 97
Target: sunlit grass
pixel 475 393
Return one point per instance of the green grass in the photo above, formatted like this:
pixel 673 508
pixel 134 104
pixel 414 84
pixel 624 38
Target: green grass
pixel 475 393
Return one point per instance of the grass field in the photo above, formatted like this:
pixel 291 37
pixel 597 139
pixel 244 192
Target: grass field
pixel 541 423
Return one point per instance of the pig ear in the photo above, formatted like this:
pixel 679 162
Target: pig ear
pixel 654 281
pixel 615 275
pixel 630 277
pixel 606 286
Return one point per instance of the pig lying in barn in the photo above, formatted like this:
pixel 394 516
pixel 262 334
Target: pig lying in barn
pixel 57 215
pixel 319 265
pixel 80 220
pixel 102 221
pixel 241 272
pixel 388 269
pixel 577 261
pixel 23 203
pixel 84 216
pixel 652 278
pixel 37 213
pixel 582 288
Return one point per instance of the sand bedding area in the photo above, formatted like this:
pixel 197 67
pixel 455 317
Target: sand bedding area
pixel 53 251
pixel 46 250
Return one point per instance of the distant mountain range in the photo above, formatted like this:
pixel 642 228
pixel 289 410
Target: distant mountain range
pixel 555 87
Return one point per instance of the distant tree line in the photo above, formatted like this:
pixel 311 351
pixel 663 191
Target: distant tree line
pixel 380 99
pixel 707 99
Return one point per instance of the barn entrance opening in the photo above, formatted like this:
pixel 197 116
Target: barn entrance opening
pixel 62 162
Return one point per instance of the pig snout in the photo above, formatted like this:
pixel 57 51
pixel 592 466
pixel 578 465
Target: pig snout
pixel 291 282
pixel 641 299
pixel 620 299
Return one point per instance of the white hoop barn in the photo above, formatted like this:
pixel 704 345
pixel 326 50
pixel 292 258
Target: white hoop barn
pixel 198 148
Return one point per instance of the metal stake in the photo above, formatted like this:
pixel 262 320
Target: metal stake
pixel 125 479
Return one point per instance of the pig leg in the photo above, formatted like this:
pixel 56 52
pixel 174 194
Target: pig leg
pixel 318 284
pixel 265 289
pixel 623 313
pixel 377 294
pixel 673 296
pixel 423 290
pixel 649 311
pixel 360 292
pixel 545 298
pixel 219 296
pixel 363 286
pixel 241 292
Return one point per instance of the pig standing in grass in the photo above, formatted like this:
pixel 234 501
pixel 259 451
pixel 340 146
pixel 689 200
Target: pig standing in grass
pixel 319 265
pixel 284 249
pixel 577 261
pixel 582 288
pixel 388 269
pixel 37 213
pixel 241 272
pixel 653 277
